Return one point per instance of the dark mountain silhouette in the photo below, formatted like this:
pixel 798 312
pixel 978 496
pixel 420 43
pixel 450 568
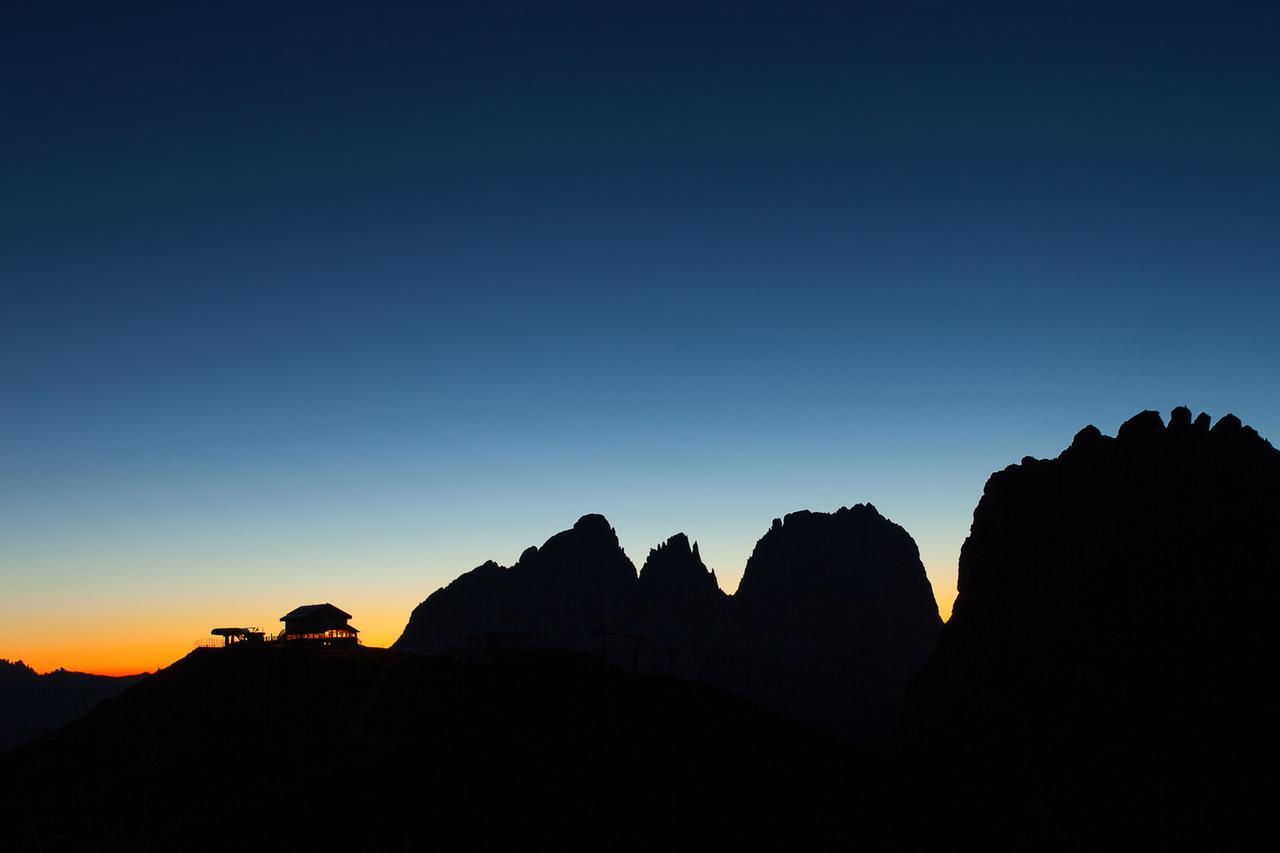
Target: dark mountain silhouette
pixel 32 704
pixel 675 574
pixel 678 603
pixel 1107 678
pixel 1111 658
pixel 834 614
pixel 576 584
pixel 388 750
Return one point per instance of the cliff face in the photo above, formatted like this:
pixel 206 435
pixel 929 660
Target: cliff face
pixel 1112 648
pixel 834 614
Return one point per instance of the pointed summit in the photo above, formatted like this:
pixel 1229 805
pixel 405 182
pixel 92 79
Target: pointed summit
pixel 677 602
pixel 674 568
pixel 557 595
pixel 584 562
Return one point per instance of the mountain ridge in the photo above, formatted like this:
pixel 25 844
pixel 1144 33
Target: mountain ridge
pixel 786 638
pixel 1108 677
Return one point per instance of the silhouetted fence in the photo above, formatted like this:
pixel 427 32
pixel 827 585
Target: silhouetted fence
pixel 219 642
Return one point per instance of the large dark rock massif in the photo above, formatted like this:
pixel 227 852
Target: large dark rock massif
pixel 833 615
pixel 1111 658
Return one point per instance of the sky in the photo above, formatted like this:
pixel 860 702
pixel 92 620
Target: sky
pixel 334 301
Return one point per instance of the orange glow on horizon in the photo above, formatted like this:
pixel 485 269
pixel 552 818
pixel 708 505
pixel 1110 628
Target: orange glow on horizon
pixel 90 636
pixel 116 657
pixel 81 638
pixel 946 600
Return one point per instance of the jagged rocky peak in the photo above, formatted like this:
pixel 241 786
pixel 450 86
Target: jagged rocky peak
pixel 676 566
pixel 1147 429
pixel 589 551
pixel 577 582
pixel 677 605
pixel 1146 435
pixel 1098 592
pixel 15 670
pixel 1182 488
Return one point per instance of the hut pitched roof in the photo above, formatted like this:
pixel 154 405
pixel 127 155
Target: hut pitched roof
pixel 315 611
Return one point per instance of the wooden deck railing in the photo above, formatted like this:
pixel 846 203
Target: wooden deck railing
pixel 218 642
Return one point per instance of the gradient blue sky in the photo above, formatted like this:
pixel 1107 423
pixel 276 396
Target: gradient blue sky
pixel 333 301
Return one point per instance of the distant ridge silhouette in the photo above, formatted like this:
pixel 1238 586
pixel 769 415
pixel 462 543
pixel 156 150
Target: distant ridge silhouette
pixel 833 615
pixel 32 704
pixel 1111 658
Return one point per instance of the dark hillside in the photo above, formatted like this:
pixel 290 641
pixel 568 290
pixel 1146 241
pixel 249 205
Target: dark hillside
pixel 391 749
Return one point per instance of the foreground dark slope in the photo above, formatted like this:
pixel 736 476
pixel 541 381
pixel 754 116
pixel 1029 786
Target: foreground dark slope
pixel 382 749
pixel 31 704
pixel 833 616
pixel 1111 658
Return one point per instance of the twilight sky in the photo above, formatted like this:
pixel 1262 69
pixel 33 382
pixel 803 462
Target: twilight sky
pixel 333 301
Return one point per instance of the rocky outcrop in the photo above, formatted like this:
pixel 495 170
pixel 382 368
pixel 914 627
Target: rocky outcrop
pixel 677 604
pixel 560 595
pixel 1111 653
pixel 833 615
pixel 675 571
pixel 849 578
